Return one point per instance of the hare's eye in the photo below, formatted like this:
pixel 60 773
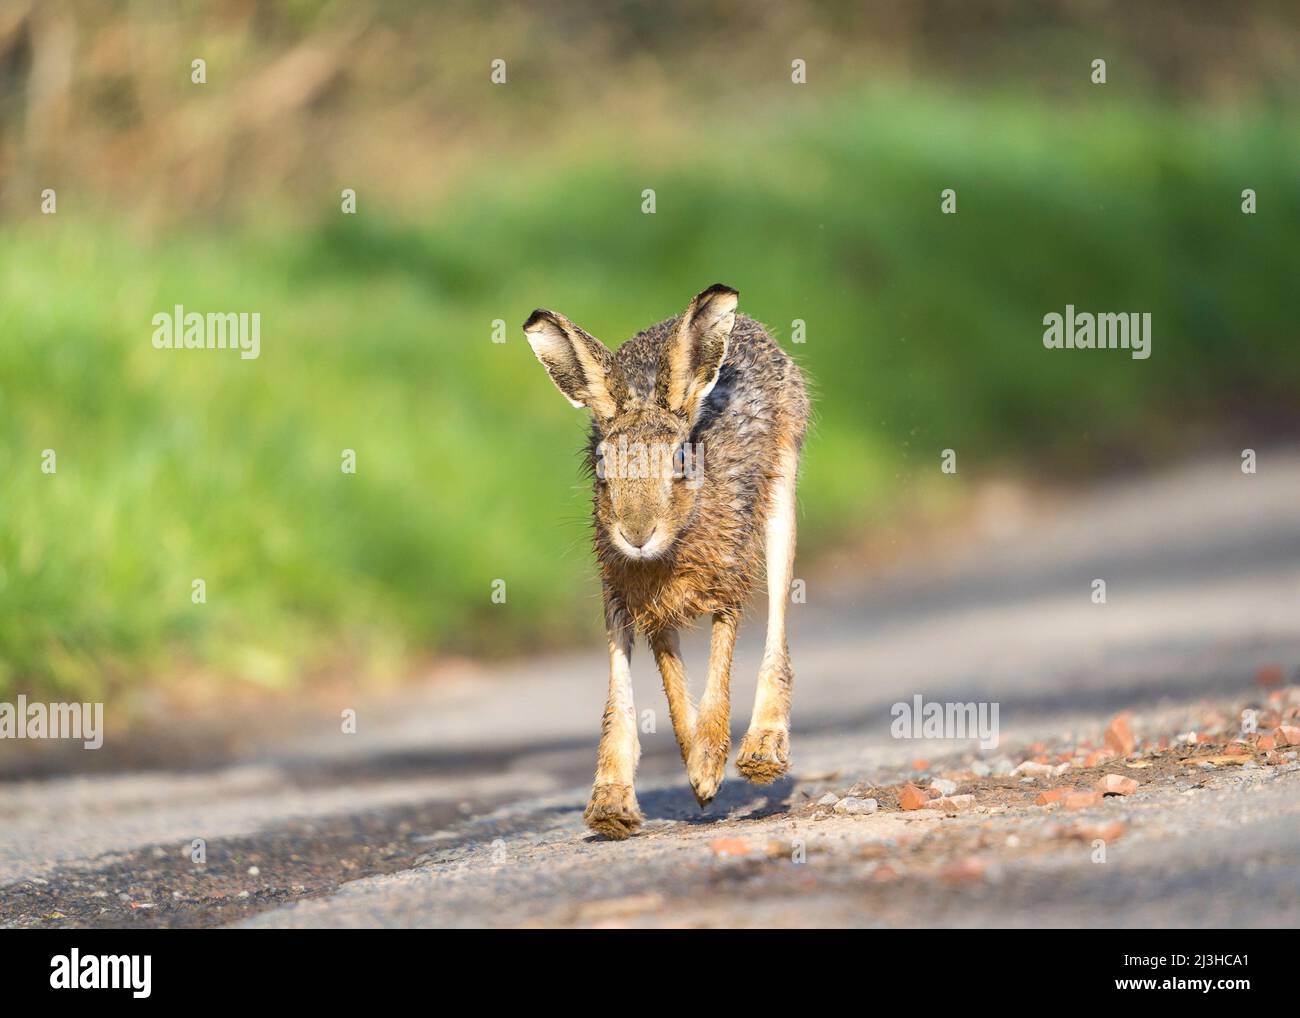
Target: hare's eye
pixel 679 461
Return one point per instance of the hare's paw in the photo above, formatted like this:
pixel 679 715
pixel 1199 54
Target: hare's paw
pixel 707 762
pixel 613 811
pixel 764 755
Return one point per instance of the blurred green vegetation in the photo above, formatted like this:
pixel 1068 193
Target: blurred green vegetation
pixel 923 332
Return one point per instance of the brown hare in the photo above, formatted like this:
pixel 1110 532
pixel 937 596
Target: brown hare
pixel 696 431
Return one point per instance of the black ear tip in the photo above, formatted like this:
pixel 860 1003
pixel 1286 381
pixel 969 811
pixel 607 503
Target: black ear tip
pixel 720 288
pixel 537 316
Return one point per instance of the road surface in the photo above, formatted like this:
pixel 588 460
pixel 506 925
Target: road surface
pixel 459 801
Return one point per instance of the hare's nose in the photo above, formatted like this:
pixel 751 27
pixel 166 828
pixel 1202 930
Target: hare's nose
pixel 637 536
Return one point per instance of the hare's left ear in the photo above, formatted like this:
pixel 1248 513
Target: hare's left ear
pixel 689 364
pixel 579 364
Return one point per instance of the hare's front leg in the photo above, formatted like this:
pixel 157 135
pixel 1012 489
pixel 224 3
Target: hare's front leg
pixel 613 809
pixel 668 655
pixel 706 763
pixel 765 750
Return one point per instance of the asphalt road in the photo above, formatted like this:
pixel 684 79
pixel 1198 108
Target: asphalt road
pixel 459 802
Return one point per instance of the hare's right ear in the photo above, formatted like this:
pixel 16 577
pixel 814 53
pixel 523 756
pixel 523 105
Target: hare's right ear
pixel 693 356
pixel 579 364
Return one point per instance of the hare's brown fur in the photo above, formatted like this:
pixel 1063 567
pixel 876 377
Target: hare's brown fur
pixel 712 388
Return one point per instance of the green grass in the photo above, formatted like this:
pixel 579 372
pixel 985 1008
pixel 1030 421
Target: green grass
pixel 923 332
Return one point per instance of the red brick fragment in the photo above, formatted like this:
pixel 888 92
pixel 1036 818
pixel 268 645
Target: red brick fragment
pixel 1082 800
pixel 724 847
pixel 1106 832
pixel 913 798
pixel 964 870
pixel 953 803
pixel 1119 737
pixel 1116 784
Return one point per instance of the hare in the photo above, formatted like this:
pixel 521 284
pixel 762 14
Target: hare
pixel 697 426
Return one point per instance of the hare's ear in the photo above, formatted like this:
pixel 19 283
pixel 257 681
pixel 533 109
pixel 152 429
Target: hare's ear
pixel 579 364
pixel 689 363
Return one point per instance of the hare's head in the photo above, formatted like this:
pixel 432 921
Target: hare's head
pixel 648 470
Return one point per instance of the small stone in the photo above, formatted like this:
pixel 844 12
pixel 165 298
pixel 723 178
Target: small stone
pixel 944 786
pixel 856 807
pixel 884 873
pixel 1002 767
pixel 829 799
pixel 1053 795
pixel 253 871
pixel 980 769
pixel 1035 769
pixel 619 908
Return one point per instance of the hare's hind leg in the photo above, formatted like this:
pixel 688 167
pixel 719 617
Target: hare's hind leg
pixel 613 809
pixel 765 751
